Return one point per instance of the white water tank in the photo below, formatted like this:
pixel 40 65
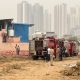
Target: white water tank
pixel 37 34
pixel 11 32
pixel 50 34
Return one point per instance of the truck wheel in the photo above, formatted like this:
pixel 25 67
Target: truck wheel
pixel 43 57
pixel 35 57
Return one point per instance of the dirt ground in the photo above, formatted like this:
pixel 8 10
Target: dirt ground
pixel 39 70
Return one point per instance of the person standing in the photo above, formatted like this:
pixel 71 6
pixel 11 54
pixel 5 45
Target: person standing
pixel 51 56
pixel 61 53
pixel 48 54
pixel 17 49
pixel 45 53
pixel 57 52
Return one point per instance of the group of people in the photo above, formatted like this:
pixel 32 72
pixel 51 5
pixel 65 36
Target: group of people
pixel 49 53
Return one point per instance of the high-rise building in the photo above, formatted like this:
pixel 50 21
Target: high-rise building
pixel 38 17
pixel 73 19
pixel 47 21
pixel 25 14
pixel 56 19
pixel 78 16
pixel 60 19
pixel 68 24
pixel 19 13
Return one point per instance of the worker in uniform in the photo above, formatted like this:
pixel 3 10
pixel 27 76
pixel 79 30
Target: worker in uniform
pixel 51 56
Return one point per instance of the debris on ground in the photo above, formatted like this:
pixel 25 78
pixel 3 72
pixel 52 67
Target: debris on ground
pixel 72 70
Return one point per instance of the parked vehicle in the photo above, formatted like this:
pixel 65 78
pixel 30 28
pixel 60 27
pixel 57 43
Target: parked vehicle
pixel 37 44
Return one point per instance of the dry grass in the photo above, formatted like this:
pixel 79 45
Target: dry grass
pixel 12 58
pixel 16 66
pixel 78 63
pixel 9 69
pixel 35 70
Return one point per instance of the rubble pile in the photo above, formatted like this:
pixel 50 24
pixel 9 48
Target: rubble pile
pixel 72 70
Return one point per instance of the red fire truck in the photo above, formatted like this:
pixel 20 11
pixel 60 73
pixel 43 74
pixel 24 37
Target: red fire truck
pixel 37 44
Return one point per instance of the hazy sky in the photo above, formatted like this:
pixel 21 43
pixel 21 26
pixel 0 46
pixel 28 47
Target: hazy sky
pixel 8 8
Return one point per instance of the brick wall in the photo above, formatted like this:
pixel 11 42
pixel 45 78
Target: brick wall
pixel 9 48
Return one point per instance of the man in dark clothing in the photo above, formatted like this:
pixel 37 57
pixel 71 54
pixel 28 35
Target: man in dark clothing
pixel 60 53
pixel 45 53
pixel 64 53
pixel 61 50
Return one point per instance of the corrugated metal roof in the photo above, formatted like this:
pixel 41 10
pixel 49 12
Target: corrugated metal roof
pixel 6 20
pixel 23 24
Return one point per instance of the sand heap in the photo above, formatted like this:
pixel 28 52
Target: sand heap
pixel 72 70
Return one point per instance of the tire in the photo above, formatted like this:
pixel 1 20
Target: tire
pixel 35 57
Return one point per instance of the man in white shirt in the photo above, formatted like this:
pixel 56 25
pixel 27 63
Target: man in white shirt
pixel 49 50
pixel 51 56
pixel 48 56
